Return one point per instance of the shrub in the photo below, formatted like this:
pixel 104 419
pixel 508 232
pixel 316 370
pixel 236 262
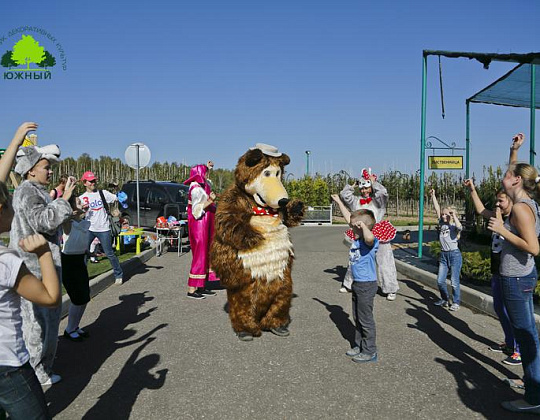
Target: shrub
pixel 476 265
pixel 435 249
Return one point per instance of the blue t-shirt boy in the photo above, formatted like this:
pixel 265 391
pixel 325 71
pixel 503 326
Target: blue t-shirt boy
pixel 362 259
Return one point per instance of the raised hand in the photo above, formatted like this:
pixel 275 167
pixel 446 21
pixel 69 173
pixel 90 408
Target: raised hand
pixel 35 244
pixel 23 130
pixel 469 183
pixel 496 224
pixel 71 183
pixel 296 208
pixel 517 141
pixel 360 224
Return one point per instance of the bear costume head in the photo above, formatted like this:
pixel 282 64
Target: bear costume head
pixel 259 173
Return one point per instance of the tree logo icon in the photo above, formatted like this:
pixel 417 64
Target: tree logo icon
pixel 26 51
pixel 27 57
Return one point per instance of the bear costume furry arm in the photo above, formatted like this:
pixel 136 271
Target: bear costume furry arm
pixel 232 227
pixel 293 213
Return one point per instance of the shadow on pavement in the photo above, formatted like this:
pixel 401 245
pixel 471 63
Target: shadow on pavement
pixel 428 298
pixel 478 388
pixel 339 271
pixel 135 376
pixel 342 321
pixel 139 269
pixel 77 362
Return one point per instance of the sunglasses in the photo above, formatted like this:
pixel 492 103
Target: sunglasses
pixel 92 181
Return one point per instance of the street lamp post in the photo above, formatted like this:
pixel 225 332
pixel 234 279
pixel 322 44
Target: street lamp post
pixel 308 152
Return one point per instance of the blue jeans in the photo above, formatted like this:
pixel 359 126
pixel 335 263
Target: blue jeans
pixel 517 293
pixel 502 313
pixel 106 243
pixel 450 260
pixel 21 395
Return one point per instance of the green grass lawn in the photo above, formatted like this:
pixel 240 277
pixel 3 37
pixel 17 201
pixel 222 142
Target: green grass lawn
pixel 95 269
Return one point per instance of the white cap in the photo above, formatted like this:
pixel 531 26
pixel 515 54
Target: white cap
pixel 267 149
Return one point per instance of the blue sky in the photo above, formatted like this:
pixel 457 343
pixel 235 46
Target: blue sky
pixel 199 80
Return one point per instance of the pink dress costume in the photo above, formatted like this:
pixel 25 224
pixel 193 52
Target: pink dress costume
pixel 383 230
pixel 200 227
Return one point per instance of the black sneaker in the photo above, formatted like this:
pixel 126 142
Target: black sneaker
pixel 282 331
pixel 441 302
pixel 206 292
pixel 514 360
pixel 195 295
pixel 73 336
pixel 245 336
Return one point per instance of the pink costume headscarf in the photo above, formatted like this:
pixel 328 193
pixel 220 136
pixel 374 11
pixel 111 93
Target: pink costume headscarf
pixel 197 174
pixel 201 230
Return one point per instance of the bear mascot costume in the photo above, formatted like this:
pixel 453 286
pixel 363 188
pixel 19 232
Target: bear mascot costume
pixel 252 252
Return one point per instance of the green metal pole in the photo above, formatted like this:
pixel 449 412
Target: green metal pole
pixel 467 139
pixel 307 164
pixel 422 156
pixel 533 113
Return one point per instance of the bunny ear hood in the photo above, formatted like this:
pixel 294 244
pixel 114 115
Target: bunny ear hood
pixel 28 156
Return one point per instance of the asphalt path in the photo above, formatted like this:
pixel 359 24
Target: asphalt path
pixel 154 353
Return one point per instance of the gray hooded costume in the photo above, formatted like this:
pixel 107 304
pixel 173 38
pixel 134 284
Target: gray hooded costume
pixel 386 265
pixel 35 212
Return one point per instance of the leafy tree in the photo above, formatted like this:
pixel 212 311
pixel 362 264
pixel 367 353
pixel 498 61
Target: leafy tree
pixel 27 51
pixel 7 61
pixel 48 61
pixel 321 192
pixel 312 191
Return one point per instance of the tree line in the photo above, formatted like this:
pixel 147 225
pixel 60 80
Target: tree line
pixel 403 189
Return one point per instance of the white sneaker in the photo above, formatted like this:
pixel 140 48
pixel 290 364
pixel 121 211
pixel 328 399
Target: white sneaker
pixel 391 296
pixel 53 379
pixel 343 290
pixel 454 307
pixel 119 280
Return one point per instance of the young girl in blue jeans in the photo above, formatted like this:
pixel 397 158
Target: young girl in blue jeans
pixel 450 258
pixel 504 206
pixel 519 276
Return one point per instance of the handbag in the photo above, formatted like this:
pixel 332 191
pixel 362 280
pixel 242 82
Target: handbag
pixel 114 222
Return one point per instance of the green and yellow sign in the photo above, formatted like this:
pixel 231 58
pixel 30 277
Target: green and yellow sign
pixel 445 162
pixel 27 57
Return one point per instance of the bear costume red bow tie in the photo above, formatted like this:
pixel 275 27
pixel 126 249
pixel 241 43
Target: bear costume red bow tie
pixel 365 201
pixel 263 211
